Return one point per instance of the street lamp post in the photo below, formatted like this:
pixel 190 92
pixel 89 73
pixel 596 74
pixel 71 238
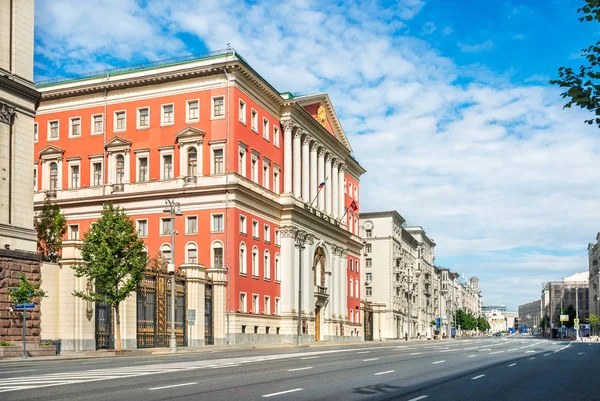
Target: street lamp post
pixel 300 239
pixel 175 209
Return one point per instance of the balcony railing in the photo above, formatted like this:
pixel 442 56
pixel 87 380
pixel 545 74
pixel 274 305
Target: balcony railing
pixel 118 188
pixel 51 194
pixel 190 179
pixel 320 290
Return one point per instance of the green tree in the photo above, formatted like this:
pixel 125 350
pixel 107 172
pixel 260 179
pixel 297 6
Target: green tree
pixel 582 85
pixel 482 324
pixel 115 260
pixel 545 322
pixel 51 226
pixel 593 320
pixel 25 292
pixel 567 310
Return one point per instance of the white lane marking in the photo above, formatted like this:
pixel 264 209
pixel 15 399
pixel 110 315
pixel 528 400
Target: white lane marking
pixel 549 353
pixel 18 371
pixel 172 385
pixel 485 349
pixel 511 365
pixel 510 350
pixel 282 392
pixel 421 397
pixel 471 356
pixel 364 352
pixel 465 349
pixel 142 362
pixel 497 352
pixel 416 353
pixel 436 362
pixel 224 366
pixel 370 359
pixel 477 377
pixel 533 357
pixel 296 369
pixel 529 352
pixel 312 357
pixel 383 373
pixel 93 363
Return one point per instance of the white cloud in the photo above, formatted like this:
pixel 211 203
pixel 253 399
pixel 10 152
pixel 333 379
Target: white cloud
pixel 485 167
pixel 476 48
pixel 428 28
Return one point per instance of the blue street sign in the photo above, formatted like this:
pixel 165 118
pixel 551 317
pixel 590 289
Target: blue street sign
pixel 438 322
pixel 25 306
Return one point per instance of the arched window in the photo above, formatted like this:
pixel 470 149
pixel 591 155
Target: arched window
pixel 53 175
pixel 243 258
pixel 277 268
pixel 351 287
pixel 192 161
pixel 356 289
pixel 217 251
pixel 357 316
pixel 166 252
pixel 120 171
pixel 267 265
pixel 192 253
pixel 351 316
pixel 255 262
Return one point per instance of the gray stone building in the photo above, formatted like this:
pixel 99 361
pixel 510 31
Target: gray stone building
pixel 530 314
pixel 18 103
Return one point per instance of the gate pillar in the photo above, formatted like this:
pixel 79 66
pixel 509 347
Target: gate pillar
pixel 196 281
pixel 219 280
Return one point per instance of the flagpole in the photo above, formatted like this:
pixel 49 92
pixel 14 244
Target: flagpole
pixel 318 191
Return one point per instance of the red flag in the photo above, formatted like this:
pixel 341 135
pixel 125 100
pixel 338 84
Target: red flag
pixel 354 206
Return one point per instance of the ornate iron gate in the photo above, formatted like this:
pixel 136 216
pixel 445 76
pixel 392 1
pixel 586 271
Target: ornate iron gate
pixel 368 321
pixel 154 306
pixel 208 314
pixel 104 329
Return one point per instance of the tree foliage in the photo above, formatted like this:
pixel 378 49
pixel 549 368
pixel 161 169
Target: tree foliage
pixel 483 324
pixel 582 85
pixel 567 310
pixel 545 322
pixel 115 260
pixel 25 292
pixel 51 226
pixel 465 320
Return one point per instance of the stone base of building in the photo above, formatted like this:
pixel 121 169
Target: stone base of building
pixel 33 349
pixel 12 264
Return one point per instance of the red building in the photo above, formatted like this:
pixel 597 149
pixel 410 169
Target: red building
pixel 245 163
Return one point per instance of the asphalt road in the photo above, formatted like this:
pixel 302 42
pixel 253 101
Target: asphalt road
pixel 516 368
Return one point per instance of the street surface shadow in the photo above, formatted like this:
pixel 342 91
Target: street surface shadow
pixel 381 388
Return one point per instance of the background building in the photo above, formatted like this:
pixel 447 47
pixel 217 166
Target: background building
pixel 564 293
pixel 594 276
pixel 530 315
pixel 18 103
pixel 245 163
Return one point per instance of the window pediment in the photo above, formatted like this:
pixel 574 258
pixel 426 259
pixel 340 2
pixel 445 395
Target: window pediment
pixel 190 135
pixel 118 144
pixel 51 152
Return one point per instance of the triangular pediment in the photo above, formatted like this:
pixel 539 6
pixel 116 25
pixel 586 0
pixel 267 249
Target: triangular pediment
pixel 51 151
pixel 190 134
pixel 319 106
pixel 118 143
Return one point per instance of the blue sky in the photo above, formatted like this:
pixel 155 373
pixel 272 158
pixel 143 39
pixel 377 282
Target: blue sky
pixel 446 104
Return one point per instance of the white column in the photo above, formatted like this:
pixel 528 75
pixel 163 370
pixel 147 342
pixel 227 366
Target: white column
pixel 334 187
pixel 289 275
pixel 321 178
pixel 306 169
pixel 296 175
pixel 287 156
pixel 314 185
pixel 341 206
pixel 328 185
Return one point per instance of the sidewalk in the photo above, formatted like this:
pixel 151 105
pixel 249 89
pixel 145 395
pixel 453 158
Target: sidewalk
pixel 75 355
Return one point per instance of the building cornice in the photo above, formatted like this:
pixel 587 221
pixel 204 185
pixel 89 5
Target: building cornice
pixel 25 90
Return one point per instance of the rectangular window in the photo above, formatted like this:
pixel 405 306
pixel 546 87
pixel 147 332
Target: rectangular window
pixel 265 175
pixel 218 161
pixel 75 176
pixel 255 304
pixel 277 237
pixel 143 169
pixel 368 262
pixel 368 291
pixel 192 225
pixel 74 232
pixel 218 258
pixel 97 171
pixel 167 110
pixel 97 124
pixel 351 265
pixel 142 228
pixel 254 262
pixel 254 120
pixel 217 220
pixel 243 304
pixel 276 180
pixel 192 254
pixel 143 117
pixel 53 129
pixel 254 168
pixel 369 277
pixel 165 226
pixel 242 163
pixel 267 267
pixel 276 136
pixel 121 122
pixel 167 167
pixel 193 110
pixel 242 224
pixel 35 179
pixel 277 269
pixel 345 187
pixel 255 228
pixel 242 112
pixel 265 129
pixel 35 132
pixel 368 248
pixel 369 233
pixel 267 306
pixel 267 233
pixel 218 107
pixel 277 310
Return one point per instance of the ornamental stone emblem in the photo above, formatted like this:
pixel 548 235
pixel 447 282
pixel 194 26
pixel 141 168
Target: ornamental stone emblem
pixel 321 115
pixel 7 114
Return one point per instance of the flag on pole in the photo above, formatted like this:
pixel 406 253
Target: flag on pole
pixel 321 185
pixel 353 206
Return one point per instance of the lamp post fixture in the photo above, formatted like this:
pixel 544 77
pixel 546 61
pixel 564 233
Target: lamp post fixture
pixel 300 240
pixel 174 208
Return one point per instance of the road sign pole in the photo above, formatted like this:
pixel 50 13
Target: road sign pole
pixel 577 313
pixel 24 333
